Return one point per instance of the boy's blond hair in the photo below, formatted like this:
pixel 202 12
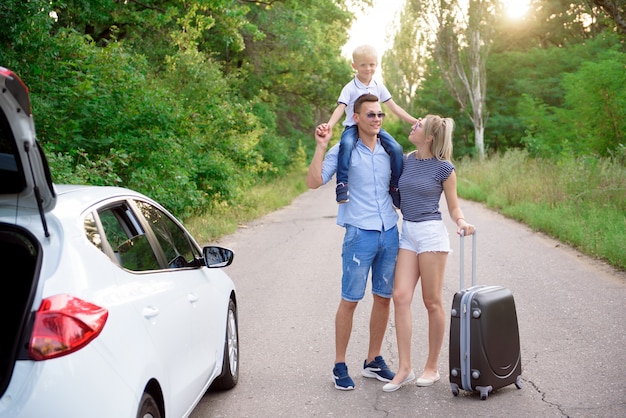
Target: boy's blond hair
pixel 364 51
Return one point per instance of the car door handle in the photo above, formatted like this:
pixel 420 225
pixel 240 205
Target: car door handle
pixel 150 312
pixel 192 298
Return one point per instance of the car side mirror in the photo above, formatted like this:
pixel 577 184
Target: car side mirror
pixel 216 257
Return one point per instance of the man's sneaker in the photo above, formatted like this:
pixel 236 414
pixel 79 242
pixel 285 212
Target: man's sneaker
pixel 395 196
pixel 342 193
pixel 378 369
pixel 342 379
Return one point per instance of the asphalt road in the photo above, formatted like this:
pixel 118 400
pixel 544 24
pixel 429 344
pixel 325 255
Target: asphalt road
pixel 571 312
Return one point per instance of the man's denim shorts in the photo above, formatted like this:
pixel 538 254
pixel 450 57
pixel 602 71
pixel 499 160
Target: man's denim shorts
pixel 365 250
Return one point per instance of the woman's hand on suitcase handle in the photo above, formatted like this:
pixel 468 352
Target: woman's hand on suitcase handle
pixel 464 228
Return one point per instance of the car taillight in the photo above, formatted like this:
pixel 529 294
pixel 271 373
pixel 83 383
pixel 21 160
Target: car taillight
pixel 64 324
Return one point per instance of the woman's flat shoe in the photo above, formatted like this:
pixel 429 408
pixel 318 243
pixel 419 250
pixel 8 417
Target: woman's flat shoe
pixel 390 387
pixel 427 382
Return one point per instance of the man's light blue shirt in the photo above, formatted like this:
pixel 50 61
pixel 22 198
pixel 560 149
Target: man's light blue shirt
pixel 370 205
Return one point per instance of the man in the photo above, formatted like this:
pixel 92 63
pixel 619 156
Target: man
pixel 371 238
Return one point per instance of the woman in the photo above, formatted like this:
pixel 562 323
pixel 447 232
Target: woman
pixel 424 242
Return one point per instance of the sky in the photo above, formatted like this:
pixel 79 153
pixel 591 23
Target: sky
pixel 371 27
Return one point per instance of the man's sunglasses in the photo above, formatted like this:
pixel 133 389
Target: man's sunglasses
pixel 372 115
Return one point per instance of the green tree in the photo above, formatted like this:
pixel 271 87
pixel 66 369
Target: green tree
pixel 294 69
pixel 191 102
pixel 404 64
pixel 25 44
pixel 597 91
pixel 537 73
pixel 591 119
pixel 616 10
pixel 461 50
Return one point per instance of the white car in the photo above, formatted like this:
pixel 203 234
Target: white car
pixel 110 308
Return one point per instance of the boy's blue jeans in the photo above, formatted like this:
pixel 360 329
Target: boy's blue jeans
pixel 347 144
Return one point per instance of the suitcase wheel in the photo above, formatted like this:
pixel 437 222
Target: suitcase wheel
pixel 484 391
pixel 518 382
pixel 455 389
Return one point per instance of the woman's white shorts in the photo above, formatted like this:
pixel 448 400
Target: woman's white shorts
pixel 427 236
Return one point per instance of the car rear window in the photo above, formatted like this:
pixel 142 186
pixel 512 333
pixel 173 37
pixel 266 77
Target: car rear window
pixel 11 173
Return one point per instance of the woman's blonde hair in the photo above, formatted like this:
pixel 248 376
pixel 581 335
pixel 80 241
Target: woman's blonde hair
pixel 441 131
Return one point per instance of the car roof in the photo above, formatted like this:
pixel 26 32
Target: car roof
pixel 76 198
pixel 25 179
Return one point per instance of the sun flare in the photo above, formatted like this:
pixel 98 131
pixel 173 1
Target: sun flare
pixel 516 9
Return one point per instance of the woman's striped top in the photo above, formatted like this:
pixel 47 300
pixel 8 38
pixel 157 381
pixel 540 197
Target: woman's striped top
pixel 421 185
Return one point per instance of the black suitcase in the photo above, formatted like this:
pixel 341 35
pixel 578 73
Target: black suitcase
pixel 484 336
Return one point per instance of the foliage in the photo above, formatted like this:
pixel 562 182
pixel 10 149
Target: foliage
pixel 24 41
pixel 592 118
pixel 189 102
pixel 263 198
pixel 530 59
pixel 404 65
pixel 579 201
pixel 296 69
pixel 462 39
pixel 598 91
pixel 616 11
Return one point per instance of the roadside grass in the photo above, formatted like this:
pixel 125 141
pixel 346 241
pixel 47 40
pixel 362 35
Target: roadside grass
pixel 263 198
pixel 580 202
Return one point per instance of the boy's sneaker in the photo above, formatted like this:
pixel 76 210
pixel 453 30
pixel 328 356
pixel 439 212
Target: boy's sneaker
pixel 378 369
pixel 342 379
pixel 395 196
pixel 342 193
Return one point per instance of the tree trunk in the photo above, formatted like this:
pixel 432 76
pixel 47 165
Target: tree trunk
pixel 462 52
pixel 479 140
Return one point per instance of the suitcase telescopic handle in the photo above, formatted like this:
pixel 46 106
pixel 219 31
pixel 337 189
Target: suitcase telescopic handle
pixel 462 258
